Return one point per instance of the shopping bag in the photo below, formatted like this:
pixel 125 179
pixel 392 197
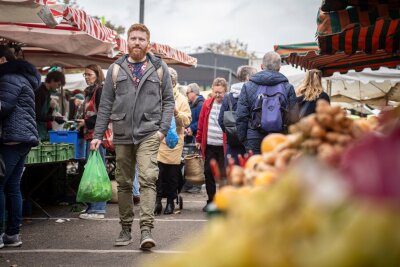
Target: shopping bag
pixel 95 186
pixel 172 136
pixel 108 138
pixel 194 169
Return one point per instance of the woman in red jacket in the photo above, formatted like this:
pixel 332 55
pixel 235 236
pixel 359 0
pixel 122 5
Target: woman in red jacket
pixel 210 138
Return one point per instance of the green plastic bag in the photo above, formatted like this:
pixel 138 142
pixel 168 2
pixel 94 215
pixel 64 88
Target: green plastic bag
pixel 95 186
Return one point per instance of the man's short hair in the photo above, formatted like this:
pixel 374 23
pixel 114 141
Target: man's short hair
pixel 272 61
pixel 220 82
pixel 194 87
pixel 245 72
pixel 7 53
pixel 55 76
pixel 139 27
pixel 174 76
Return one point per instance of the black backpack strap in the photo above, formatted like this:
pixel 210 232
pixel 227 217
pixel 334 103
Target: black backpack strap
pixel 230 102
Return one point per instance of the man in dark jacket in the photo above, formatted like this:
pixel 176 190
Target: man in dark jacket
pixel 44 113
pixel 196 102
pixel 18 79
pixel 269 76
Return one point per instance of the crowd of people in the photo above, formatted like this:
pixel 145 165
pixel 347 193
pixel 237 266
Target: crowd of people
pixel 140 96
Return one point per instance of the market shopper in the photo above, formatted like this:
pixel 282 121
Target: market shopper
pixel 196 101
pixel 169 159
pixel 141 106
pixel 270 77
pixel 44 113
pixel 210 138
pixel 309 92
pixel 18 79
pixel 94 78
pixel 233 146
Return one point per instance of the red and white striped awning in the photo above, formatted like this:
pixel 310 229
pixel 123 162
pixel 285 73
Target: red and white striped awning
pixel 58 28
pixel 55 27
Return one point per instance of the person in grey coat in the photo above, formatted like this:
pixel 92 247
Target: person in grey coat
pixel 140 105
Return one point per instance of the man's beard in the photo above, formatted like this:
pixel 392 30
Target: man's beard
pixel 137 54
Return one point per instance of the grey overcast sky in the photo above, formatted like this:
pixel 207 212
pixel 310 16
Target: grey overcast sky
pixel 185 24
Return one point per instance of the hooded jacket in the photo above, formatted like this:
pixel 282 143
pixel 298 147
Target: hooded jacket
pixel 247 99
pixel 18 80
pixel 136 112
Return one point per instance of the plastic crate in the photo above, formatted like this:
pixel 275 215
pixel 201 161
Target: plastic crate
pixel 34 155
pixel 70 137
pixel 71 151
pixel 48 152
pixel 62 152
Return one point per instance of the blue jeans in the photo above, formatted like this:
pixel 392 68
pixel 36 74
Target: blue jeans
pixel 10 186
pixel 136 186
pixel 96 207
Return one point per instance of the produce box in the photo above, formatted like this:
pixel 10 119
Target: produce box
pixel 62 152
pixel 34 155
pixel 48 152
pixel 71 151
pixel 70 137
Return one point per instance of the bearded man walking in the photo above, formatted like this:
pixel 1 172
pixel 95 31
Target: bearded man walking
pixel 138 98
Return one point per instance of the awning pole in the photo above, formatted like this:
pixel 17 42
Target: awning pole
pixel 329 87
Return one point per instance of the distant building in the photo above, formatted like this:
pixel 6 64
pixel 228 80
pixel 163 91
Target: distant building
pixel 210 66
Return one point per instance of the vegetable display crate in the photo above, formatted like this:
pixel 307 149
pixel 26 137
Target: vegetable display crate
pixel 48 152
pixel 34 155
pixel 62 152
pixel 70 137
pixel 71 151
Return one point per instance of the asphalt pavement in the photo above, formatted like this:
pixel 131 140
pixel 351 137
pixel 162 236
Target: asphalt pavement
pixel 66 240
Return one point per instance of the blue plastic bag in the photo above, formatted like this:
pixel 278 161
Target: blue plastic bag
pixel 172 137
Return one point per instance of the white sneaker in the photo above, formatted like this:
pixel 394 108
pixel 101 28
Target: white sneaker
pixel 91 216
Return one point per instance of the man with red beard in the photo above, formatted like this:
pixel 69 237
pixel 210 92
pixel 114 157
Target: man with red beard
pixel 138 98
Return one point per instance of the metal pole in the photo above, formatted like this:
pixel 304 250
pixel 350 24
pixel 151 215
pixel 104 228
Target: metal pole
pixel 215 66
pixel 141 14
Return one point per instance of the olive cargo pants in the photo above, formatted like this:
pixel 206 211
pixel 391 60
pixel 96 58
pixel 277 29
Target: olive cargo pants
pixel 145 154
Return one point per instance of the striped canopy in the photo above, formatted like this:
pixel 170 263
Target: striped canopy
pixel 341 62
pixel 63 30
pixel 352 35
pixel 354 25
pixel 334 5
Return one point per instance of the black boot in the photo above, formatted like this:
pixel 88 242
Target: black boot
pixel 158 207
pixel 169 209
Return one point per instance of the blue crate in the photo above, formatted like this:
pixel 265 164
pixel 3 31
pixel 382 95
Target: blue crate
pixel 70 137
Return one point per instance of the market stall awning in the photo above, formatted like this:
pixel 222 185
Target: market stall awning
pixel 333 5
pixel 341 62
pixel 354 26
pixel 352 35
pixel 68 36
pixel 56 27
pixel 301 49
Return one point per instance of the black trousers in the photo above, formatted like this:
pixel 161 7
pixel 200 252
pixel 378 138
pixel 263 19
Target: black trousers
pixel 217 153
pixel 168 178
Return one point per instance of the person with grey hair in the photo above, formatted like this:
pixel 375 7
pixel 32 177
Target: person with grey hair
pixel 269 79
pixel 196 103
pixel 234 147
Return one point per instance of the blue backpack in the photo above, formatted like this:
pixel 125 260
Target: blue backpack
pixel 270 111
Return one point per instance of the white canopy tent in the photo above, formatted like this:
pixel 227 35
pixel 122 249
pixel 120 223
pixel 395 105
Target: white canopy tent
pixel 378 88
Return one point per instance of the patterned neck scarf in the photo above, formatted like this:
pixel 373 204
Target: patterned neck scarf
pixel 138 70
